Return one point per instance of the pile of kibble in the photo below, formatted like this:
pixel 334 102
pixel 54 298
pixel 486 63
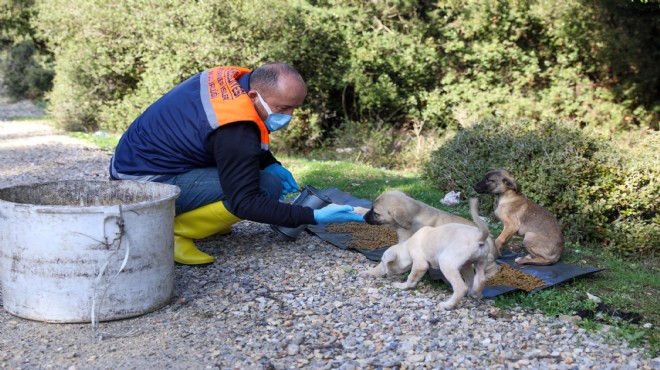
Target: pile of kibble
pixel 364 235
pixel 508 276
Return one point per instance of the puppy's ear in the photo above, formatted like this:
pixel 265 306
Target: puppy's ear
pixel 386 260
pixel 511 184
pixel 402 218
pixel 388 256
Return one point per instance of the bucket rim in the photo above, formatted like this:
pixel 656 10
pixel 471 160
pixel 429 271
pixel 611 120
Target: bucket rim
pixel 100 208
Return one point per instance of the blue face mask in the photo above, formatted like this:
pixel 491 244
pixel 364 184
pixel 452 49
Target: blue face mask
pixel 275 121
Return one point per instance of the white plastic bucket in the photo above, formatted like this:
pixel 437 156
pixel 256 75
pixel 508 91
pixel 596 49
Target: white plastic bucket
pixel 80 251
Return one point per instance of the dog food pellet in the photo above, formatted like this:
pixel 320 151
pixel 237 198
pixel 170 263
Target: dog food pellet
pixel 508 276
pixel 364 235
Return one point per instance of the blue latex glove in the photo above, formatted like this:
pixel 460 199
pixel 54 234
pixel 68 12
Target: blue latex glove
pixel 289 185
pixel 336 213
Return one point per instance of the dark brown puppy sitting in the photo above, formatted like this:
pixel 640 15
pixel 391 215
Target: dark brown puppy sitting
pixel 407 215
pixel 541 232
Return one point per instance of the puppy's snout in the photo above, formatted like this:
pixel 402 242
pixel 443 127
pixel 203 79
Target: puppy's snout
pixel 480 187
pixel 369 217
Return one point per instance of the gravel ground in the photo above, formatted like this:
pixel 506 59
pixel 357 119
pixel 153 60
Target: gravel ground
pixel 270 304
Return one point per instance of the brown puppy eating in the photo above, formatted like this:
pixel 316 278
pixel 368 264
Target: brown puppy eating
pixel 541 232
pixel 407 215
pixel 453 248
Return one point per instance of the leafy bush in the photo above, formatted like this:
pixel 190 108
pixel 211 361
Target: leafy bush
pixel 397 64
pixel 26 63
pixel 25 76
pixel 579 177
pixel 536 59
pixel 119 67
pixel 381 146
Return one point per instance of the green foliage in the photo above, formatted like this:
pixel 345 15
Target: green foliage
pixel 379 145
pixel 26 64
pixel 111 68
pixel 593 189
pixel 538 59
pixel 25 76
pixel 398 64
pixel 625 200
pixel 15 21
pixel 302 135
pixel 391 62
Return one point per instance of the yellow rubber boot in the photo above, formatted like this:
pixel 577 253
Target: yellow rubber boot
pixel 197 224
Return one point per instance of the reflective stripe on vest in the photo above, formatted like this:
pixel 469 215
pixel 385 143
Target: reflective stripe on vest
pixel 226 102
pixel 122 176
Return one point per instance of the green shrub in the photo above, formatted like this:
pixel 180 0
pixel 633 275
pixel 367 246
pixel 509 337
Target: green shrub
pixel 537 59
pixel 25 74
pixel 26 63
pixel 301 136
pixel 381 146
pixel 580 177
pixel 121 56
pixel 631 210
pixel 369 142
pixel 399 64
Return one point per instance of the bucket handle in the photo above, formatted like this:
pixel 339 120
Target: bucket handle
pixel 110 214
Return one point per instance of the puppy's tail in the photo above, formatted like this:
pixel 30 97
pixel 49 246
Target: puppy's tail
pixel 474 211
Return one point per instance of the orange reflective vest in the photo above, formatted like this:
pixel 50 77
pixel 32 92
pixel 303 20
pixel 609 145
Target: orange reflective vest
pixel 226 102
pixel 169 137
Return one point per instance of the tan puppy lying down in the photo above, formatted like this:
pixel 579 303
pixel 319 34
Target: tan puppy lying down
pixel 453 248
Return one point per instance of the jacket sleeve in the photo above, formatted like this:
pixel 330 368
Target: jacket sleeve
pixel 239 158
pixel 266 158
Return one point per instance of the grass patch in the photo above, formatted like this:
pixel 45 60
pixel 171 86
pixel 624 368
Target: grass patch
pixel 627 290
pixel 104 141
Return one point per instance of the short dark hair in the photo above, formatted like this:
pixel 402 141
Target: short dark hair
pixel 267 75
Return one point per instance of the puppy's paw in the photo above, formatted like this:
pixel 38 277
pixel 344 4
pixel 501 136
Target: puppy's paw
pixel 402 286
pixel 360 210
pixel 446 305
pixel 475 295
pixel 521 260
pixel 366 274
pixel 372 272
